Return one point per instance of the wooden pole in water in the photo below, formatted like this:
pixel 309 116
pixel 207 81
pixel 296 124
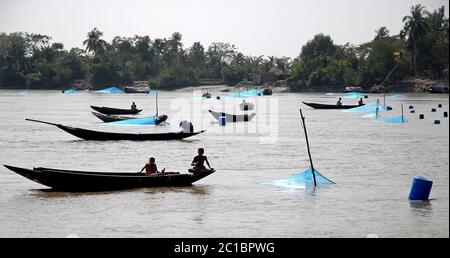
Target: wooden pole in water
pixel 307 145
pixel 157 111
pixel 403 119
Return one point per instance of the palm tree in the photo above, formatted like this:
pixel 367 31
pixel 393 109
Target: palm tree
pixel 415 27
pixel 94 43
pixel 381 33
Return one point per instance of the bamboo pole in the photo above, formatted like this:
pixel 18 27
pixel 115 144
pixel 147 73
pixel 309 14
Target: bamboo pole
pixel 307 145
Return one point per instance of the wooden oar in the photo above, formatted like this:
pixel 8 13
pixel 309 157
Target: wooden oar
pixel 307 145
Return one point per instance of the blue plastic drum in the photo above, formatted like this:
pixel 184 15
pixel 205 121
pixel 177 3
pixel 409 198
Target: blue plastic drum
pixel 222 120
pixel 420 189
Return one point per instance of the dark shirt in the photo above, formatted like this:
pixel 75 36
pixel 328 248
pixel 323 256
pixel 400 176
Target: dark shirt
pixel 150 169
pixel 199 161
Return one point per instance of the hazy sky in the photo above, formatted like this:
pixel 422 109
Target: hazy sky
pixel 256 27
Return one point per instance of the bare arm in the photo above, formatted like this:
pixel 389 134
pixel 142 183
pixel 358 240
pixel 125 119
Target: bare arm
pixel 207 162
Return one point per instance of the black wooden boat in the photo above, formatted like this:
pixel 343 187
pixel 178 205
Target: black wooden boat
pixel 114 118
pixel 232 118
pixel 109 136
pixel 327 106
pixel 82 181
pixel 116 111
pixel 129 89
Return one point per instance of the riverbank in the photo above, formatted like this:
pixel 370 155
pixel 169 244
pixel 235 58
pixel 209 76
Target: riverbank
pixel 413 85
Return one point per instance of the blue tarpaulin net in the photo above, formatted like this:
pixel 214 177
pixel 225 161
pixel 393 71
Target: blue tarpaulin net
pixel 153 92
pixel 137 121
pixel 71 91
pixel 370 115
pixel 110 90
pixel 302 180
pixel 368 108
pixel 393 120
pixel 244 94
pixel 396 96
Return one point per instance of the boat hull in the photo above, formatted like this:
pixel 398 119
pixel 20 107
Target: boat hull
pixel 116 111
pixel 79 181
pixel 136 90
pixel 233 118
pixel 91 135
pixel 326 106
pixel 114 118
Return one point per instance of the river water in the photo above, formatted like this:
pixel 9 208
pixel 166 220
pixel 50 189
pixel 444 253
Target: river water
pixel 372 164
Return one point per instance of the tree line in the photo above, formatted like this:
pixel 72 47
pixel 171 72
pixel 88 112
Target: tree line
pixel 419 50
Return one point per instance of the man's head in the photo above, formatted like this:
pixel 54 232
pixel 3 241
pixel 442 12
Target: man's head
pixel 201 151
pixel 152 160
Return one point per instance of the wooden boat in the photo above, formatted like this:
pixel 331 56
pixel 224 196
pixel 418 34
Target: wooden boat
pixel 206 95
pixel 113 118
pixel 232 118
pixel 91 135
pixel 82 181
pixel 438 90
pixel 267 92
pixel 116 111
pixel 129 89
pixel 327 106
pixel 245 106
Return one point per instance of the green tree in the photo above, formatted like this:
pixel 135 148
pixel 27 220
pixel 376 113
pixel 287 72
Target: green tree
pixel 381 33
pixel 415 27
pixel 94 43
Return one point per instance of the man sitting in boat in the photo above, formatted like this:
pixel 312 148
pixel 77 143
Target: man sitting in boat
pixel 339 102
pixel 199 162
pixel 133 106
pixel 360 102
pixel 151 168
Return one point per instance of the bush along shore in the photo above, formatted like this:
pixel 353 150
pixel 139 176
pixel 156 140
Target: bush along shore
pixel 407 60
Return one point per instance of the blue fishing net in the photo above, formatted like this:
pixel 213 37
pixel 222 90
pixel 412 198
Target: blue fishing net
pixel 244 94
pixel 370 115
pixel 396 96
pixel 368 108
pixel 152 92
pixel 393 120
pixel 71 91
pixel 110 90
pixel 302 180
pixel 137 121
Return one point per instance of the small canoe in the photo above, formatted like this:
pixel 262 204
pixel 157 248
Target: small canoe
pixel 91 135
pixel 232 118
pixel 113 118
pixel 327 106
pixel 245 106
pixel 206 95
pixel 82 181
pixel 128 89
pixel 116 111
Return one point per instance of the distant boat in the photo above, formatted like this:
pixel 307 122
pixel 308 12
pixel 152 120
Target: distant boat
pixel 91 135
pixel 82 181
pixel 328 106
pixel 206 95
pixel 267 92
pixel 438 89
pixel 114 118
pixel 245 106
pixel 116 111
pixel 130 89
pixel 232 118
